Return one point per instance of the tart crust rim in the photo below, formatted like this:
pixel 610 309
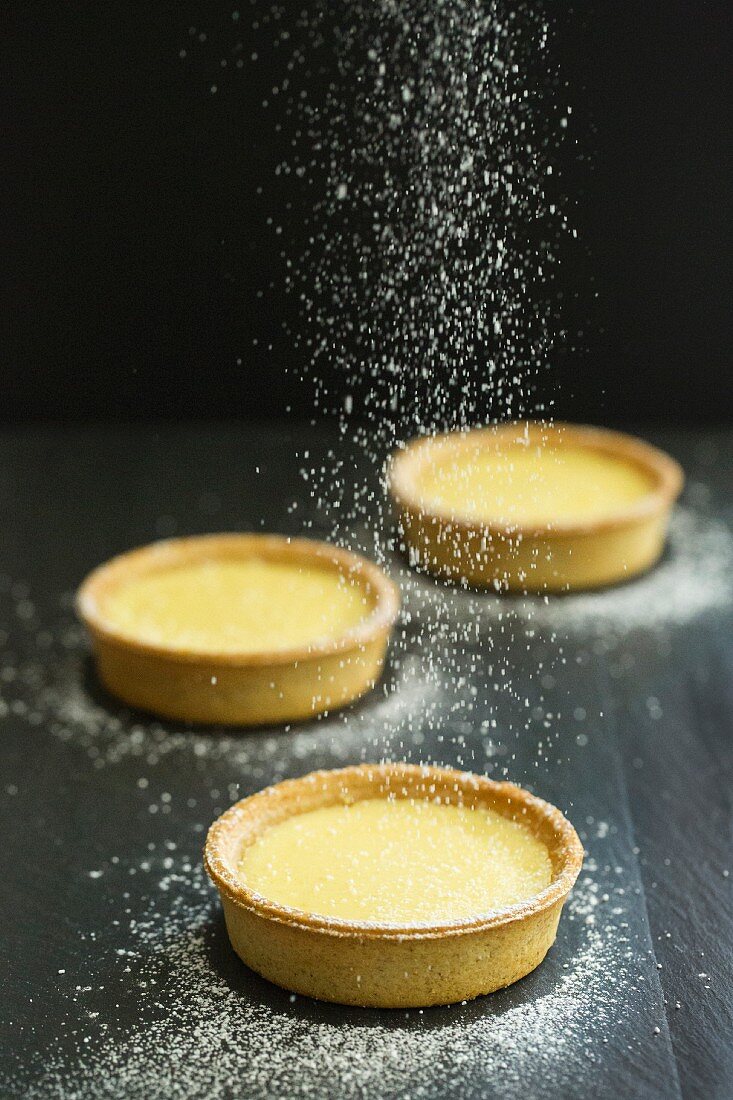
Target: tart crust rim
pixel 405 463
pixel 379 621
pixel 563 844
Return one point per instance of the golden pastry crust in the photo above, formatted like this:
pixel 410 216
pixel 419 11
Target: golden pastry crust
pixel 550 557
pixel 232 688
pixel 378 965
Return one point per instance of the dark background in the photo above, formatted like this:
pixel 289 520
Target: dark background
pixel 136 238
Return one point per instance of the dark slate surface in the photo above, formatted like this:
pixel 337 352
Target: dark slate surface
pixel 635 746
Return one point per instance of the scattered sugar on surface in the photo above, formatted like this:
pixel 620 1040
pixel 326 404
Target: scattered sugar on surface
pixel 58 690
pixel 694 577
pixel 48 681
pixel 197 1017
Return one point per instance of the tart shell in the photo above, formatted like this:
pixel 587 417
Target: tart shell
pixel 380 965
pixel 230 688
pixel 552 557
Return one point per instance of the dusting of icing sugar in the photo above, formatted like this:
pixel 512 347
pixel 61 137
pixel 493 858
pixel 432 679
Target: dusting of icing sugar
pixel 61 694
pixel 198 1017
pixel 694 577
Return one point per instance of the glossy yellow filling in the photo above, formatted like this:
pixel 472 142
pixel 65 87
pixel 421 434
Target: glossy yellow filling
pixel 531 484
pixel 397 862
pixel 237 605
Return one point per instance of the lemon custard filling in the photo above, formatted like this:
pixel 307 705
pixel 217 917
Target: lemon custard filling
pixel 237 605
pixel 533 483
pixel 396 861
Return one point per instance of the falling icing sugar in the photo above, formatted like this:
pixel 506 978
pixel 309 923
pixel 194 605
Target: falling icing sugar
pixel 428 278
pixel 424 161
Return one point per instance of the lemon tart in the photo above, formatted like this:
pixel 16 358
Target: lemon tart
pixel 392 885
pixel 534 507
pixel 238 629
